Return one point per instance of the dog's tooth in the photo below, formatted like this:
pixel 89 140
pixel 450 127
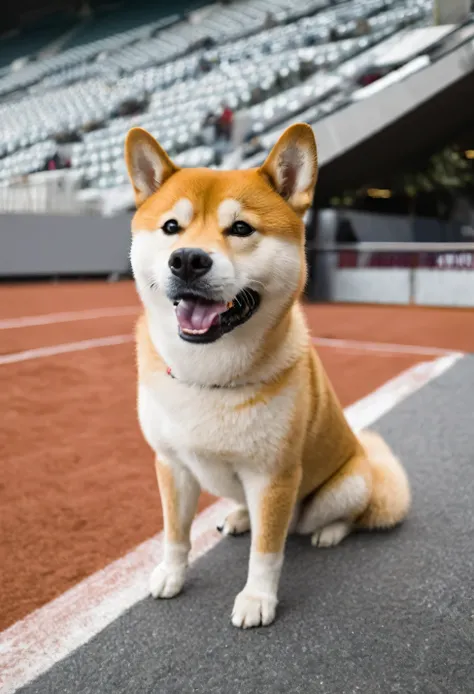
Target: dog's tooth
pixel 193 332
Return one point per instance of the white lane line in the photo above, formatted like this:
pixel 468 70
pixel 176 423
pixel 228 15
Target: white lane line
pixel 367 410
pixel 49 634
pixel 349 345
pixel 67 317
pixel 41 352
pixel 37 642
pixel 381 347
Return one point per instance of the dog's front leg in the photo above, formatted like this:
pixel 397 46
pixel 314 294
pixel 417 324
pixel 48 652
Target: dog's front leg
pixel 270 500
pixel 179 493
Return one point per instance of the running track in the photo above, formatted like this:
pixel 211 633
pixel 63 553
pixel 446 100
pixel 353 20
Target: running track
pixel 78 488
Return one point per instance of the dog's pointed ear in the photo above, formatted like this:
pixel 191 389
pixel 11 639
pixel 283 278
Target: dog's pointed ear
pixel 291 168
pixel 147 162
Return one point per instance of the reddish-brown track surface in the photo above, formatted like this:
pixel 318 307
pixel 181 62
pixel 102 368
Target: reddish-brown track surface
pixel 77 486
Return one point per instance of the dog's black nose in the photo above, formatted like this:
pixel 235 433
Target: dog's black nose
pixel 189 263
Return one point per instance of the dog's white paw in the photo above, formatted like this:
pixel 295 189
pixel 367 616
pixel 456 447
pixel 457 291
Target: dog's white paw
pixel 236 523
pixel 253 610
pixel 167 581
pixel 331 535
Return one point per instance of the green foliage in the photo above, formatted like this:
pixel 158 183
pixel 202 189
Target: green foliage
pixel 447 169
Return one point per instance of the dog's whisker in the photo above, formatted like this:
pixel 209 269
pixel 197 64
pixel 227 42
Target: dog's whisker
pixel 251 281
pixel 249 299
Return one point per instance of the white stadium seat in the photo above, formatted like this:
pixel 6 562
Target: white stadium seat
pixel 274 60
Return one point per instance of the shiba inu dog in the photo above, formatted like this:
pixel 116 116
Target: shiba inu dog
pixel 232 397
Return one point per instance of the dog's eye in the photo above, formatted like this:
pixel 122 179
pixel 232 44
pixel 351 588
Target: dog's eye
pixel 171 227
pixel 241 229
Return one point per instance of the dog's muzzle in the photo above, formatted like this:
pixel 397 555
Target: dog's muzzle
pixel 204 320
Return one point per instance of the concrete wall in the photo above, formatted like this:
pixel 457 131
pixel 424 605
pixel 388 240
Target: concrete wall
pixel 424 287
pixel 45 192
pixel 444 287
pixel 35 245
pixel 371 285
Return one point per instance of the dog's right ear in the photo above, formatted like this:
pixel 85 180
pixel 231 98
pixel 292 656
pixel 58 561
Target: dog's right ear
pixel 147 162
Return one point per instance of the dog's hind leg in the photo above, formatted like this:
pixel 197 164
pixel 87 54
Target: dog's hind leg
pixel 391 497
pixel 236 523
pixel 329 515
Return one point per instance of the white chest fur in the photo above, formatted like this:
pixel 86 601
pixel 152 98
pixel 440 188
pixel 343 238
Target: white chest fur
pixel 214 431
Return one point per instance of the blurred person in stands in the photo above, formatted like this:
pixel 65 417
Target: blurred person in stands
pixel 362 27
pixel 57 162
pixel 345 232
pixel 209 129
pixel 223 127
pixel 270 21
pixel 53 163
pixel 205 65
pixel 225 123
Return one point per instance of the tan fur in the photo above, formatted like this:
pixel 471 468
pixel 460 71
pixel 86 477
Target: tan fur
pixel 267 391
pixel 279 498
pixel 276 508
pixel 174 529
pixel 329 443
pixel 358 465
pixel 391 497
pixel 148 360
pixel 274 435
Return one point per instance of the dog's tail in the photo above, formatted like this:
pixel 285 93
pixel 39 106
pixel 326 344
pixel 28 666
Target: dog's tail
pixel 390 499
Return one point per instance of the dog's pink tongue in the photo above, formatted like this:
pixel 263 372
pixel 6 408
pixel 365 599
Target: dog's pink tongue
pixel 198 315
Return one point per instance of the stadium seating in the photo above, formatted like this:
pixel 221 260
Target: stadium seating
pixel 275 60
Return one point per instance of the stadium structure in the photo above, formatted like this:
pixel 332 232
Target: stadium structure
pixel 386 84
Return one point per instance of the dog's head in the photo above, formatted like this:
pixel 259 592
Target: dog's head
pixel 219 255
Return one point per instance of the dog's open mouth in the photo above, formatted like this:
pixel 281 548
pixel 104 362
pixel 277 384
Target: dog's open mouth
pixel 201 320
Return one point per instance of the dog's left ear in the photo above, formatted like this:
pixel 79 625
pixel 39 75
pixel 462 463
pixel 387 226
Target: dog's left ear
pixel 291 168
